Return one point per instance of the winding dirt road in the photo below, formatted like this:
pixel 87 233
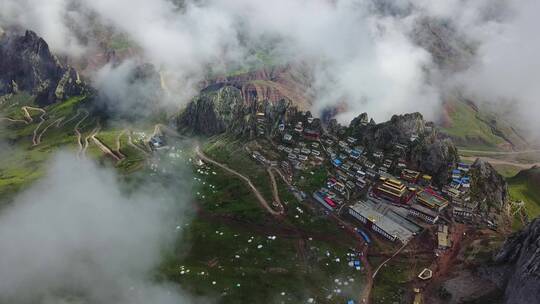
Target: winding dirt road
pixel 78 133
pixel 26 110
pixel 255 191
pixel 14 120
pixel 275 190
pixel 94 132
pixel 40 135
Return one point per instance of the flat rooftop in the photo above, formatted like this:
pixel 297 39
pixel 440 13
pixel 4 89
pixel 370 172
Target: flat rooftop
pixel 431 199
pixel 424 210
pixel 387 220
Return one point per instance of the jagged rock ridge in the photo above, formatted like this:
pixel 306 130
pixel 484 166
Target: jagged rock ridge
pixel 429 151
pixel 489 187
pixel 27 64
pixel 517 264
pixel 226 110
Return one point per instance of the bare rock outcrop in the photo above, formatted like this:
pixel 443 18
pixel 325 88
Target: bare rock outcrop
pixel 429 150
pixel 489 188
pixel 27 64
pixel 226 110
pixel 517 266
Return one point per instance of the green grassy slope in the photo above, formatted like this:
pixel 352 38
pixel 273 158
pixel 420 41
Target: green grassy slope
pixel 482 128
pixel 525 186
pixel 24 162
pixel 467 130
pixel 228 241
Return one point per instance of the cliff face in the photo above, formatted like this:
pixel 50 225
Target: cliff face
pixel 227 110
pixel 26 64
pixel 489 187
pixel 518 263
pixel 430 152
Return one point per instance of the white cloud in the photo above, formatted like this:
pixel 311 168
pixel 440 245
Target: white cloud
pixel 361 58
pixel 76 234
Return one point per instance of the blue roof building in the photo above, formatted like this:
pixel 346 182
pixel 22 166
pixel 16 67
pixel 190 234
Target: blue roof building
pixel 337 162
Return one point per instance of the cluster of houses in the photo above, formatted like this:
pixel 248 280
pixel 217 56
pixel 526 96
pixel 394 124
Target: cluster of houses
pixel 398 204
pixel 458 192
pixel 300 144
pixel 378 188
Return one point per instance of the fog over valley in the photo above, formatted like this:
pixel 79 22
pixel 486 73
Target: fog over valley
pixel 273 152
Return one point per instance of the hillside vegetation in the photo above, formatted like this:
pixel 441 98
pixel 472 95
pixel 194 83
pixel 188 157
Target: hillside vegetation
pixel 478 129
pixel 525 186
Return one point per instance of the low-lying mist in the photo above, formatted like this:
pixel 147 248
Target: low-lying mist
pixel 81 235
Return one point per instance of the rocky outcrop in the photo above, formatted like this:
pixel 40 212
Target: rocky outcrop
pixel 434 155
pixel 517 266
pixel 27 64
pixel 225 109
pixel 398 129
pixel 231 103
pixel 273 84
pixel 429 150
pixel 488 187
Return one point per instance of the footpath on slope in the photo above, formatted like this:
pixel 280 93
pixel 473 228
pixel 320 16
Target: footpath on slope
pixel 258 195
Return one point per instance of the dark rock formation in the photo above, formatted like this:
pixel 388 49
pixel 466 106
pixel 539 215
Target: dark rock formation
pixel 517 266
pixel 488 187
pixel 434 155
pixel 227 110
pixel 27 64
pixel 430 151
pixel 398 129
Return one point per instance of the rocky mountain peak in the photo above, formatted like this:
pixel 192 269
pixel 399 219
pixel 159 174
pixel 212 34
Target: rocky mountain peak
pixel 490 188
pixel 27 64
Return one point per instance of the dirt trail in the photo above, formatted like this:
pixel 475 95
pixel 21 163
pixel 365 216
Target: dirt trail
pixel 258 195
pixel 388 260
pixel 104 147
pixel 275 191
pixel 40 135
pixel 26 110
pixel 65 122
pixel 27 115
pixel 78 133
pixel 14 120
pixel 94 132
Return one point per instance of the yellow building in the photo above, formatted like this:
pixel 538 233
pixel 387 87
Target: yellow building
pixel 394 191
pixel 431 200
